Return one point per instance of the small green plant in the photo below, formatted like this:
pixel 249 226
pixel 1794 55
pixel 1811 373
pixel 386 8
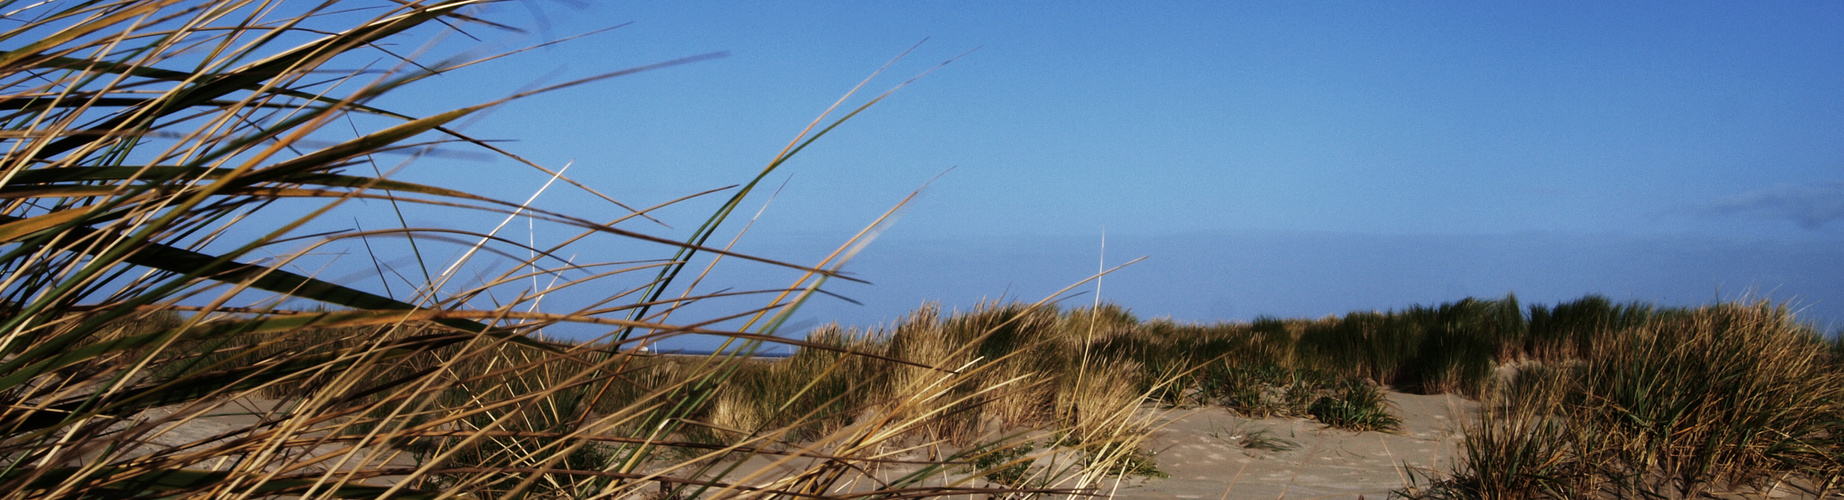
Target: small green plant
pixel 1356 405
pixel 1131 462
pixel 1007 465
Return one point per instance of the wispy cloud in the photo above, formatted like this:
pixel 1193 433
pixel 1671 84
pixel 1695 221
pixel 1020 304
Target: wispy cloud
pixel 1812 206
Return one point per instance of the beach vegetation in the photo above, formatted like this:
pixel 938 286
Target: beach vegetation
pixel 176 171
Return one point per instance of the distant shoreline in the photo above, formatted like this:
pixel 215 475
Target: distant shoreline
pixel 703 353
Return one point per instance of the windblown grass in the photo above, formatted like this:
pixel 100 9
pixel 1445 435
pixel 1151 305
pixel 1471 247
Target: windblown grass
pixel 138 298
pixel 1724 398
pixel 164 163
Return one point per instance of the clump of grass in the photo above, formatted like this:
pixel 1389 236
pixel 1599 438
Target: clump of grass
pixel 1185 354
pixel 1683 403
pixel 1340 401
pixel 1430 350
pixel 1262 391
pixel 1573 329
pixel 1355 405
pixel 1518 455
pixel 1724 395
pixel 818 390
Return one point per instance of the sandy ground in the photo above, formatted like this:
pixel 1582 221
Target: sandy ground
pixel 231 420
pixel 1209 453
pixel 1212 453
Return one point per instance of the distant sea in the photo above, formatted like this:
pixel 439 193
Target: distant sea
pixel 766 353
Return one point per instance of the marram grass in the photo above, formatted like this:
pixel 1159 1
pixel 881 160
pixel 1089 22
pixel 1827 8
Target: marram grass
pixel 1586 398
pixel 158 343
pixel 164 163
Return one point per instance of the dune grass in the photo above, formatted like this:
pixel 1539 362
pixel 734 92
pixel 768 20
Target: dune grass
pixel 164 164
pixel 1586 398
pixel 139 300
pixel 1633 400
pixel 1729 397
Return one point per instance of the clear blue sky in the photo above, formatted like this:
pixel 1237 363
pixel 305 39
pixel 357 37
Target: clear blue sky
pixel 1282 158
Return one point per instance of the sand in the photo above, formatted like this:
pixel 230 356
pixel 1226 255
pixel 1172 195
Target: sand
pixel 1212 453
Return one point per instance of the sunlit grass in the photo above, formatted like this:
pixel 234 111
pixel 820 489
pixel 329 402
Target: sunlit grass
pixel 1727 397
pixel 157 343
pixel 164 161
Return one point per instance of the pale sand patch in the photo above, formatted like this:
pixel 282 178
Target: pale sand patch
pixel 225 421
pixel 1212 453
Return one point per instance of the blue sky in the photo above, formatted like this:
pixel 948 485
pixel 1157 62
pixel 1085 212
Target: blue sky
pixel 1280 158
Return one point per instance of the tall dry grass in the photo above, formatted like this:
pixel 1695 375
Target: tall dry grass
pixel 1015 384
pixel 1733 397
pixel 165 164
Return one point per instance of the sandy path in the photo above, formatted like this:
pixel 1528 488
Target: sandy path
pixel 1210 454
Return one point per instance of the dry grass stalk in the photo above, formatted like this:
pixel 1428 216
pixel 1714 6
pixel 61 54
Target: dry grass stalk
pixel 142 137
